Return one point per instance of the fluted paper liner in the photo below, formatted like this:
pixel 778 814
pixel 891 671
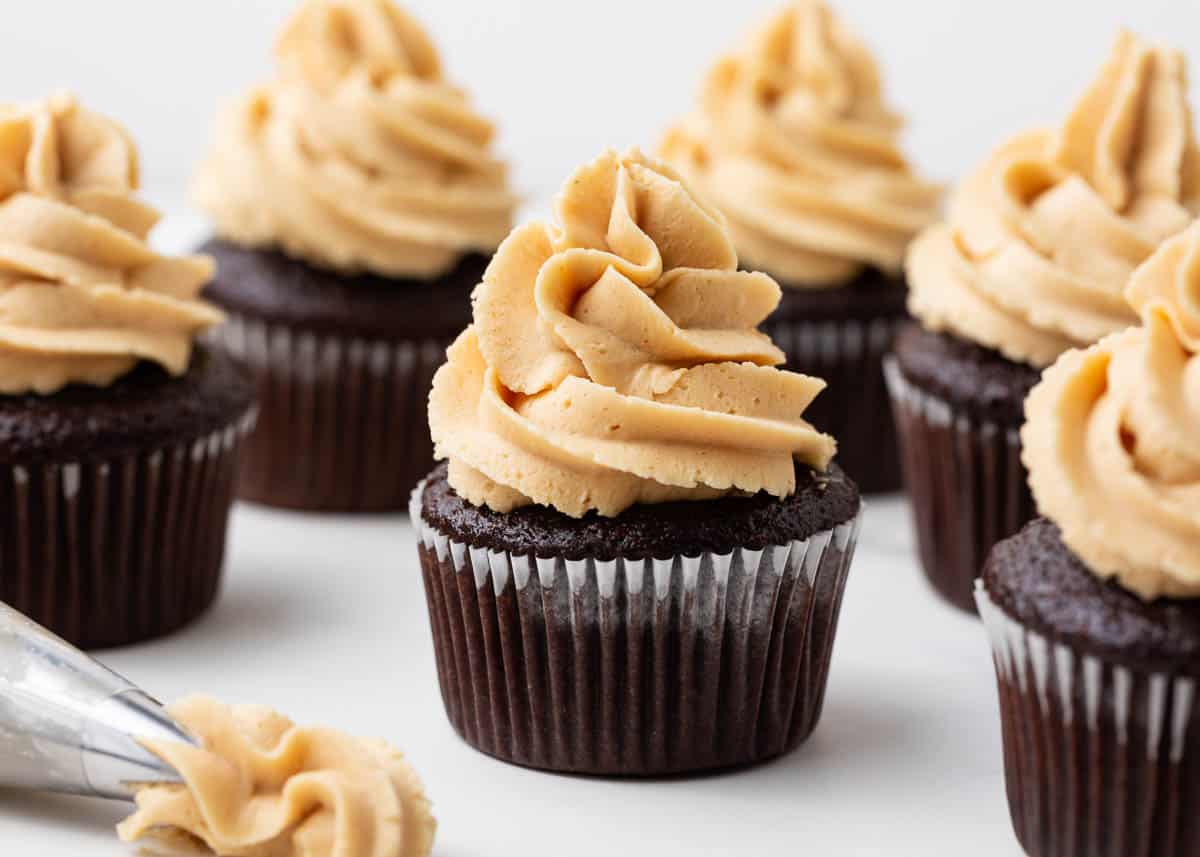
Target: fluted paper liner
pixel 855 407
pixel 634 667
pixel 343 425
pixel 1101 760
pixel 117 550
pixel 965 480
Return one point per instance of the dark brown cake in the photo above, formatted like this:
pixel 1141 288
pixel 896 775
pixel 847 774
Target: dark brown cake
pixel 343 366
pixel 1098 705
pixel 114 501
pixel 842 335
pixel 959 410
pixel 715 655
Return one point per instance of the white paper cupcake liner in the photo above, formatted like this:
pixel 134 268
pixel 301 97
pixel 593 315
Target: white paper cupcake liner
pixel 965 480
pixel 634 667
pixel 1101 760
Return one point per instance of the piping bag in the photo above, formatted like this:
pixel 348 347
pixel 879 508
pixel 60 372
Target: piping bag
pixel 69 724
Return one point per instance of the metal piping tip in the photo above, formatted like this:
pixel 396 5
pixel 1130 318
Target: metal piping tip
pixel 69 724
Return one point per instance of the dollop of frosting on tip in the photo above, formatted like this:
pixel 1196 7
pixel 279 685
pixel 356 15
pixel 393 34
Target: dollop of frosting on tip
pixel 358 155
pixel 615 359
pixel 1112 438
pixel 259 785
pixel 1042 238
pixel 83 297
pixel 794 143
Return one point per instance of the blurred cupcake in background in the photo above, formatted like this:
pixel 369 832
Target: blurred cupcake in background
pixel 356 201
pixel 118 438
pixel 794 143
pixel 1032 261
pixel 636 553
pixel 1094 610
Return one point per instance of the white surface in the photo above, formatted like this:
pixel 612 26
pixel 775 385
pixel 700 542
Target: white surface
pixel 325 619
pixel 564 78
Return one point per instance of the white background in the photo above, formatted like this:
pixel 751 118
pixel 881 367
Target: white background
pixel 325 618
pixel 565 78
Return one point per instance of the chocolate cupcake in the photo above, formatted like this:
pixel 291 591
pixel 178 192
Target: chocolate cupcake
pixel 636 553
pixel 356 201
pixel 1094 610
pixel 794 142
pixel 1032 261
pixel 118 440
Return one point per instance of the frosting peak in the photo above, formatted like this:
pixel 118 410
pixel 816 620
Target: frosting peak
pixel 259 785
pixel 358 155
pixel 615 359
pixel 1042 239
pixel 83 297
pixel 795 144
pixel 1111 439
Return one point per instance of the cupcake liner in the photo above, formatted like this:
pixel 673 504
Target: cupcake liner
pixel 1100 760
pixel 113 551
pixel 855 407
pixel 634 667
pixel 968 487
pixel 343 425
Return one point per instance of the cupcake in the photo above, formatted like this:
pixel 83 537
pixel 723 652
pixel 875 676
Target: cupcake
pixel 118 439
pixel 635 554
pixel 794 143
pixel 356 200
pixel 1039 245
pixel 1094 610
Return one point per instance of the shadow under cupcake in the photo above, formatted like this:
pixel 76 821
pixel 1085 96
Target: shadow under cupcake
pixel 1032 261
pixel 1094 610
pixel 635 556
pixel 794 143
pixel 356 201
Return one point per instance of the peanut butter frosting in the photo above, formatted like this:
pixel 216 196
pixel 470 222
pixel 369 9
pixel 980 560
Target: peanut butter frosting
pixel 794 143
pixel 358 155
pixel 1042 239
pixel 1112 440
pixel 83 297
pixel 260 786
pixel 615 359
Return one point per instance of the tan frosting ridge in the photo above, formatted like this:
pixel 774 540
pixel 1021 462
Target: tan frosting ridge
pixel 1112 439
pixel 83 297
pixel 615 359
pixel 260 786
pixel 795 144
pixel 358 155
pixel 1041 240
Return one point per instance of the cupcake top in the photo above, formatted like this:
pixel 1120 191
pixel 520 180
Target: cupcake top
pixel 83 297
pixel 358 155
pixel 259 784
pixel 1112 439
pixel 1043 237
pixel 615 359
pixel 795 144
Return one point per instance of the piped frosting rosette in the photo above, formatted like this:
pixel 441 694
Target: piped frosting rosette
pixel 261 785
pixel 615 359
pixel 795 144
pixel 359 155
pixel 1112 440
pixel 1042 239
pixel 83 297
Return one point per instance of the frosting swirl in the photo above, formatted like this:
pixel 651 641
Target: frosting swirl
pixel 1042 239
pixel 83 297
pixel 358 155
pixel 794 143
pixel 615 359
pixel 260 785
pixel 1111 440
